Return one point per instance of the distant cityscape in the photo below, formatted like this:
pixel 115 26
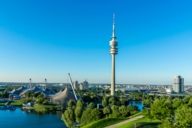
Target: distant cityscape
pixel 177 87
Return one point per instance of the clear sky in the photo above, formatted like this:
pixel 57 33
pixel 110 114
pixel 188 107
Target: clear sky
pixel 49 38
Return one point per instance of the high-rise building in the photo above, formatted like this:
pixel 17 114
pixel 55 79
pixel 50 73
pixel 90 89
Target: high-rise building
pixel 45 83
pixel 84 85
pixel 113 51
pixel 30 83
pixel 178 84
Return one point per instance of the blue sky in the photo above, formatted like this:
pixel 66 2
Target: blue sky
pixel 49 38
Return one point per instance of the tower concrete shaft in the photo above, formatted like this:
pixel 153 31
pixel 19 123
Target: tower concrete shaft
pixel 113 52
pixel 113 76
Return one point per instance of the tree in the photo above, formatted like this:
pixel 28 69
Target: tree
pixel 69 117
pixel 132 109
pixel 105 101
pixel 186 99
pixel 90 115
pixel 183 117
pixel 123 110
pixel 169 109
pixel 71 104
pixel 114 101
pixel 40 100
pixel 147 113
pixel 147 102
pixel 106 111
pixel 79 110
pixel 190 102
pixel 91 105
pixel 95 114
pixel 160 109
pixel 123 100
pixel 167 124
pixel 115 111
pixel 176 103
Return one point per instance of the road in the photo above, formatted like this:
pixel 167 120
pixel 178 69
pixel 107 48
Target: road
pixel 125 122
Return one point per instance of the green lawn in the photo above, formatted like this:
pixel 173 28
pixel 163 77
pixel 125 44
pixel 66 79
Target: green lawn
pixel 142 123
pixel 103 123
pixel 39 108
pixel 51 107
pixel 107 122
pixel 2 104
pixel 17 102
pixel 14 103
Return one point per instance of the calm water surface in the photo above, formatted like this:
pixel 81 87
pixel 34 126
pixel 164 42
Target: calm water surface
pixel 22 119
pixel 137 104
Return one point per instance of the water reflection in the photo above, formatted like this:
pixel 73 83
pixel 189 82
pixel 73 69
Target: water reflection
pixel 22 119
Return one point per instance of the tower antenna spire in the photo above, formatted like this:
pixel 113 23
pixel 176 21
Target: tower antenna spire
pixel 113 32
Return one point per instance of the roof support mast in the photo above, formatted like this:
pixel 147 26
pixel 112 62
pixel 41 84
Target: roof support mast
pixel 72 87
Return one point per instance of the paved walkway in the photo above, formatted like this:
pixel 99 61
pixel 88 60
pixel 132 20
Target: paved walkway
pixel 125 122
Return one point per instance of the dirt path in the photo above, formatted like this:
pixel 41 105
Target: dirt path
pixel 125 122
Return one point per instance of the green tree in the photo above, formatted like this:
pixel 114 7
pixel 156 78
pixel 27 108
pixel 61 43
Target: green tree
pixel 79 110
pixel 40 100
pixel 132 109
pixel 71 104
pixel 160 109
pixel 186 99
pixel 147 102
pixel 69 117
pixel 91 105
pixel 190 102
pixel 176 103
pixel 123 100
pixel 167 124
pixel 147 113
pixel 105 101
pixel 90 115
pixel 114 101
pixel 123 110
pixel 183 117
pixel 69 114
pixel 106 111
pixel 115 111
pixel 168 108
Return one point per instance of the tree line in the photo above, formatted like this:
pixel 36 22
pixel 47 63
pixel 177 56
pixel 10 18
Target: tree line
pixel 174 112
pixel 82 113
